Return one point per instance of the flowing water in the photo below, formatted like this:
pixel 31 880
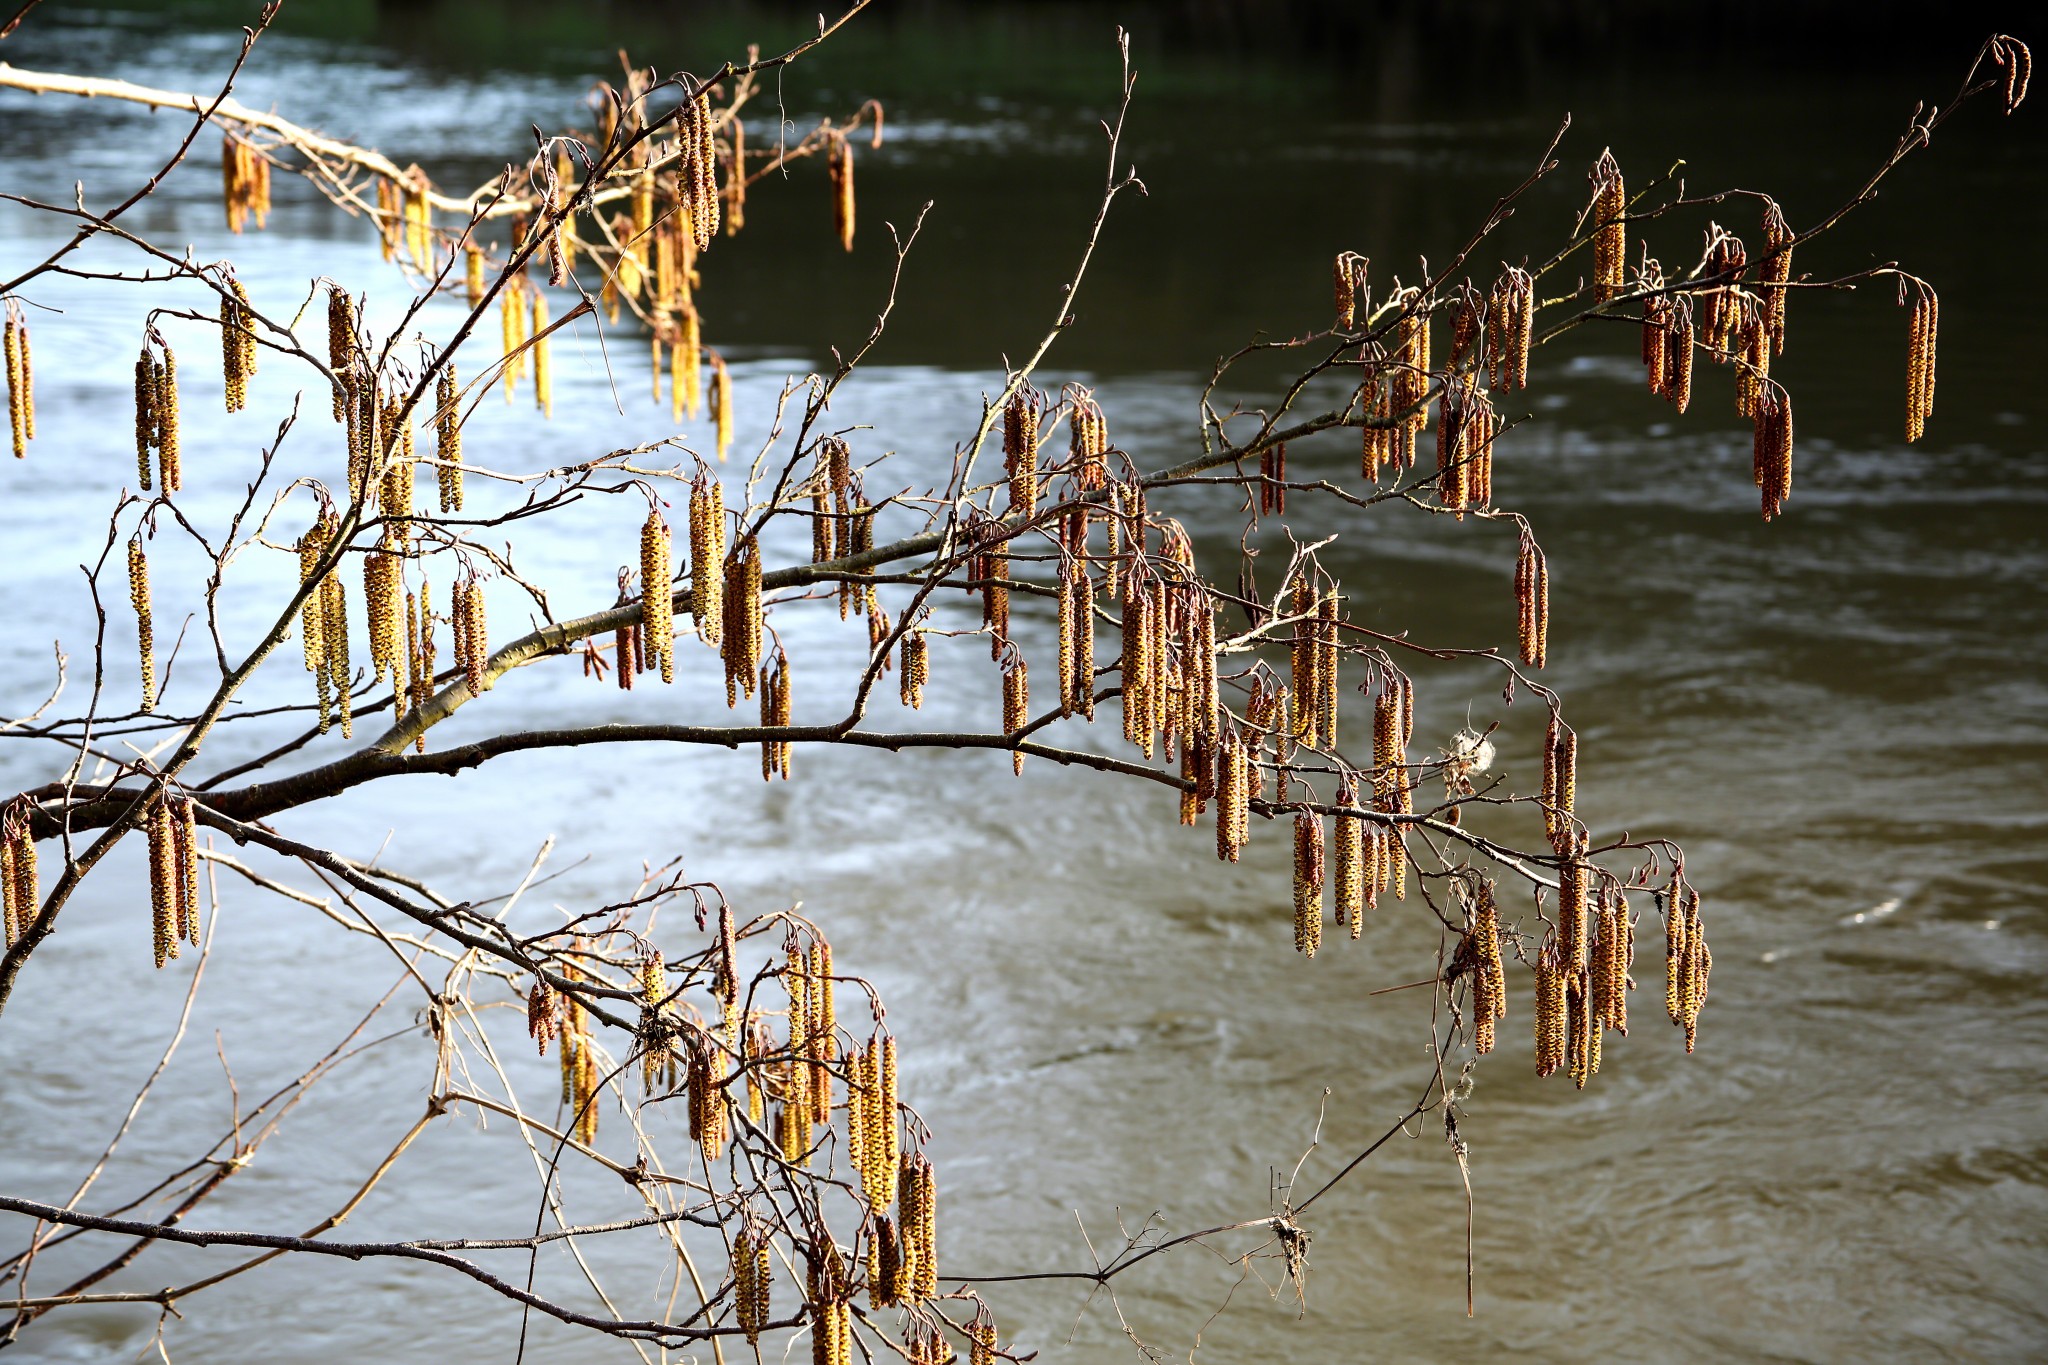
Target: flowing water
pixel 1834 713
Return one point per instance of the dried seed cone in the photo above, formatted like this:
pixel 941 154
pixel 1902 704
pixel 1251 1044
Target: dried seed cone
pixel 1308 883
pixel 138 596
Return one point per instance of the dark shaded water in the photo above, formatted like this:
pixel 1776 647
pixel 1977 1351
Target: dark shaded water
pixel 1835 713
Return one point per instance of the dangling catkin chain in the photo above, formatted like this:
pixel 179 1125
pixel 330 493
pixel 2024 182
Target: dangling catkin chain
pixel 775 753
pixel 1020 449
pixel 1016 702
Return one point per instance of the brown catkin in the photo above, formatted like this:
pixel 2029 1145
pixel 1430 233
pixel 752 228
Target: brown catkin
pixel 1308 883
pixel 541 1021
pixel 753 1266
pixel 1678 357
pixel 1020 450
pixel 1777 270
pixel 145 417
pixel 138 596
pixel 1610 236
pixel 840 161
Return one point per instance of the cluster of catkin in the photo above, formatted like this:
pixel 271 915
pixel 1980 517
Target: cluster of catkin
pixel 1353 294
pixel 1168 663
pixel 1771 446
pixel 237 342
pixel 1313 661
pixel 753 1278
pixel 20 896
pixel 707 558
pixel 829 1296
pixel 1021 417
pixel 656 643
pixel 471 630
pixel 1668 337
pixel 1077 639
pixel 1560 784
pixel 156 418
pixel 1308 882
pixel 323 622
pixel 173 832
pixel 557 1014
pixel 1688 961
pixel 776 754
pixel 805 1075
pixel 1919 360
pixel 21 393
pixel 1610 234
pixel 245 181
pixel 1393 726
pixel 1479 952
pixel 1532 600
pixel 1273 480
pixel 740 633
pixel 915 668
pixel 1510 329
pixel 1396 391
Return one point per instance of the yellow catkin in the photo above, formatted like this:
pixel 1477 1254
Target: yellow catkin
pixel 707 558
pixel 138 596
pixel 543 374
pixel 22 888
pixel 889 1148
pixel 657 610
pixel 1350 871
pixel 914 668
pixel 512 316
pixel 1549 1013
pixel 163 879
pixel 473 274
pixel 690 363
pixel 1308 883
pixel 840 161
pixel 1920 356
pixel 753 1275
pixel 448 439
pixel 721 403
pixel 1016 704
pixel 741 642
pixel 165 413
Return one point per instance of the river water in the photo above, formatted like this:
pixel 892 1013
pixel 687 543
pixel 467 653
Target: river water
pixel 1835 714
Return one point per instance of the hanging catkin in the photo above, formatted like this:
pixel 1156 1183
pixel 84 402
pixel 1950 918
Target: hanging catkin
pixel 543 374
pixel 1532 601
pixel 1777 270
pixel 721 403
pixel 21 398
pixel 1016 703
pixel 1610 237
pixel 707 557
pixel 1349 873
pixel 740 642
pixel 164 878
pixel 138 596
pixel 1550 1011
pixel 1308 882
pixel 915 670
pixel 1020 449
pixel 657 605
pixel 1920 360
pixel 839 158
